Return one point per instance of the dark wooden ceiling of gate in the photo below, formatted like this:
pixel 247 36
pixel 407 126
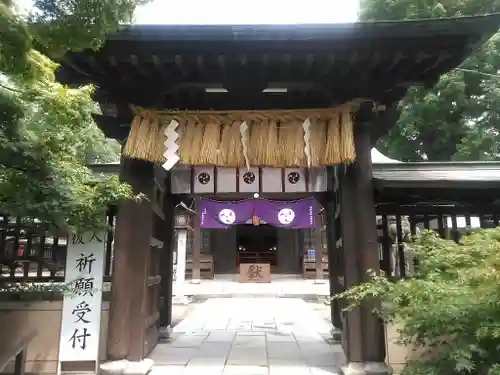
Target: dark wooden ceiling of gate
pixel 319 65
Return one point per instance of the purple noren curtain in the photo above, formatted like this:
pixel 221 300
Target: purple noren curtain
pixel 292 214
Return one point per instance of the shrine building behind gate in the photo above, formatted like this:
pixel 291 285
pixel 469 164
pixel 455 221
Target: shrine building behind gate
pixel 290 113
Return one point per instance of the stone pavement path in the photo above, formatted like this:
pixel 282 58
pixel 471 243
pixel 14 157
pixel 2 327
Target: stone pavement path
pixel 249 336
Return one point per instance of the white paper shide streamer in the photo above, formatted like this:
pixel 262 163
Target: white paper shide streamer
pixel 171 146
pixel 307 140
pixel 244 142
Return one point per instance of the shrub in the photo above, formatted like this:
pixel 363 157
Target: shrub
pixel 450 306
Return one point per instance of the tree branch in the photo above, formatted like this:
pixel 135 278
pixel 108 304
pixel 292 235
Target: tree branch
pixel 11 89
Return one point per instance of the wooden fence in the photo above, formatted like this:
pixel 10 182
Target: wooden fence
pixel 398 224
pixel 28 253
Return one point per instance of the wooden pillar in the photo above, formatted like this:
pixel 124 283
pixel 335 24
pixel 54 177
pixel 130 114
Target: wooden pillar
pixel 352 328
pixel 318 245
pixel 196 244
pixel 373 329
pixel 134 225
pixel 167 261
pixel 334 271
pixel 360 238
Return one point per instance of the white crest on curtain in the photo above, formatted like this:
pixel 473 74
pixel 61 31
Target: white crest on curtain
pixel 306 125
pixel 244 142
pixel 171 146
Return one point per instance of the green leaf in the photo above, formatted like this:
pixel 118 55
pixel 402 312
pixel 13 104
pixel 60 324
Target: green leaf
pixel 459 119
pixel 47 132
pixel 451 304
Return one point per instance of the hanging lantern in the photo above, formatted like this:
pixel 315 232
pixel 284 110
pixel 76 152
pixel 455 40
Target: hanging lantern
pixel 182 221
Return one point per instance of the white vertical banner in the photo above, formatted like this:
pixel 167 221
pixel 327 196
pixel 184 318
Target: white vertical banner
pixel 81 314
pixel 180 275
pixel 181 257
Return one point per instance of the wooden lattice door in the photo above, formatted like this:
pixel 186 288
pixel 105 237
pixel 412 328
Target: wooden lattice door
pixel 152 297
pixel 152 283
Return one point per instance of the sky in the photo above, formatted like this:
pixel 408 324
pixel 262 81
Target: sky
pixel 242 12
pixel 251 12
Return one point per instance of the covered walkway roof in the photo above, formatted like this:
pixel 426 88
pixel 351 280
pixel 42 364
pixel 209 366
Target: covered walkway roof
pixel 437 174
pixel 432 184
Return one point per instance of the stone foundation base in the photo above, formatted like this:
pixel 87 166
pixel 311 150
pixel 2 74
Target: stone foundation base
pixel 165 333
pixel 366 368
pixel 180 300
pixel 125 367
pixel 336 334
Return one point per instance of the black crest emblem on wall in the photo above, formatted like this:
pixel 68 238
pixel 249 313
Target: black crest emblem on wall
pixel 249 178
pixel 204 178
pixel 293 177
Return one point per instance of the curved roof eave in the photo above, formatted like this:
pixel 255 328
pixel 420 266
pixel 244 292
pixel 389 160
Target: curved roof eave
pixel 433 27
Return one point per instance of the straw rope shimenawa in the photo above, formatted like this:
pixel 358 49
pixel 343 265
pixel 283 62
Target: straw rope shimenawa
pixel 276 137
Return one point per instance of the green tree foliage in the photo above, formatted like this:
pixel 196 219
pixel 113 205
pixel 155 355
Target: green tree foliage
pixel 47 134
pixel 449 307
pixel 459 118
